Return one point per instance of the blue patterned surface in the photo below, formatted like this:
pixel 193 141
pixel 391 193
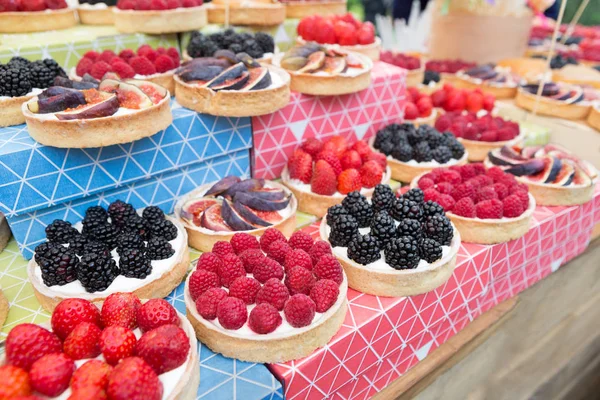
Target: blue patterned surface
pixel 33 176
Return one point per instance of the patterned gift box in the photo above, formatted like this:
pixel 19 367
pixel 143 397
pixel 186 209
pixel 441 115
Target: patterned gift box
pixel 356 116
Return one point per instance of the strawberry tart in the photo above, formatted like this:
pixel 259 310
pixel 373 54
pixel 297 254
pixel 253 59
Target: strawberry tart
pixel 159 16
pixel 267 300
pixel 246 12
pixel 321 174
pixel 450 98
pixel 558 100
pixel 126 349
pixel 96 12
pixel 305 8
pixel 110 251
pixel 153 65
pixel 496 80
pixel 214 212
pixel 555 176
pixel 95 114
pixel 411 151
pixel 487 206
pixel 413 64
pixel 594 117
pixel 321 71
pixel 419 107
pixel 21 16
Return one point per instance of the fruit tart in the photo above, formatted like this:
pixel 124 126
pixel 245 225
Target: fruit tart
pixel 107 252
pixel 419 107
pixel 258 45
pixel 487 206
pixel 231 85
pixel 558 100
pixel 555 176
pixel 321 71
pixel 126 348
pixel 157 16
pixel 36 16
pixel 448 68
pixel 449 98
pixel 267 299
pixel 93 113
pixel 321 174
pixel 413 64
pixel 496 80
pixel 594 117
pixel 344 31
pixel 392 246
pixel 411 151
pixel 4 306
pixel 305 8
pixel 480 135
pixel 20 81
pixel 96 12
pixel 246 12
pixel 148 64
pixel 214 212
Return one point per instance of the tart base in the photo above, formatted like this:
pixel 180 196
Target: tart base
pixel 301 9
pixel 478 150
pixel 3 308
pixel 256 14
pixel 371 50
pixel 167 21
pixel 553 195
pixel 552 108
pixel 594 118
pixel 415 77
pixel 500 92
pixel 10 111
pixel 37 21
pixel 98 16
pixel 425 120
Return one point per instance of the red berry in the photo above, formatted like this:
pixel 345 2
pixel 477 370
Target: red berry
pixel 267 270
pixel 91 373
pixel 324 179
pixel 300 166
pixel 134 379
pixel 269 236
pixel 126 54
pixel 513 206
pixel 445 187
pixel 251 258
pixel 329 267
pixel 336 144
pixel 371 174
pixel 172 51
pixel 278 250
pixel 411 112
pixel 50 375
pixel 450 176
pixel 221 248
pixel 299 258
pixel 232 313
pixel 156 312
pixel 84 66
pixel 424 106
pixel 446 201
pixel 299 310
pixel 142 66
pixel 106 56
pixel 464 189
pixel 231 269
pixel 486 193
pixel 501 190
pixel 299 280
pixel 126 4
pixel 379 158
pixel 467 172
pixel 318 250
pixel 83 342
pixel 438 98
pixel 474 102
pixel 332 159
pixel 117 343
pixel 207 303
pixel 92 55
pixel 202 280
pixel 273 292
pixel 489 136
pixel 99 69
pixel 324 293
pixel 464 207
pixel 210 262
pixel 495 173
pixel 245 288
pixel 312 146
pixel 351 159
pixel 264 318
pixel 244 241
pixel 349 181
pixel 86 393
pixel 489 209
pixel 123 69
pixel 425 183
pixel 120 309
pixel 15 382
pixel 431 194
pixel 523 196
pixel 71 312
pixel 164 348
pixel 26 343
pixel 301 240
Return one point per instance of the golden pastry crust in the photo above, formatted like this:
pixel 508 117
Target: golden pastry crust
pixel 96 16
pixel 155 22
pixel 414 77
pixel 371 50
pixel 479 150
pixel 301 9
pixel 37 21
pixel 593 119
pixel 3 308
pixel 10 110
pixel 499 91
pixel 255 13
pixel 552 108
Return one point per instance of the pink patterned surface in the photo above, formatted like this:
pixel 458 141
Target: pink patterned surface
pixel 355 116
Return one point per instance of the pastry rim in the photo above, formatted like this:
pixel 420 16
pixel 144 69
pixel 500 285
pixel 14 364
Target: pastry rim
pixel 124 19
pixel 478 150
pixel 552 107
pixel 68 20
pixel 11 113
pixel 371 50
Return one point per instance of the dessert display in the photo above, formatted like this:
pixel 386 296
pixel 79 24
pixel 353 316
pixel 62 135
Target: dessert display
pixel 96 12
pixel 214 212
pixel 125 349
pixel 557 100
pixel 21 16
pixel 480 135
pixel 486 205
pixel 246 12
pixel 232 85
pixel 20 81
pixel 594 117
pixel 392 246
pixel 305 8
pixel 419 107
pixel 493 79
pixel 108 252
pixel 411 151
pixel 577 74
pixel 416 69
pixel 321 71
pixel 450 98
pixel 267 299
pixel 159 16
pixel 91 113
pixel 555 176
pixel 153 65
pixel 259 45
pixel 321 174
pixel 448 68
pixel 343 30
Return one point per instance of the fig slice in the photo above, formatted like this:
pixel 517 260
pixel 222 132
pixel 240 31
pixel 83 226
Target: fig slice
pixel 222 185
pixel 260 204
pixel 531 167
pixel 68 83
pixel 247 60
pixel 353 62
pixel 315 62
pixel 227 55
pixel 130 96
pixel 57 103
pixel 498 158
pixel 150 89
pixel 109 85
pixel 194 207
pixel 260 78
pixel 529 152
pixel 271 194
pixel 202 74
pixel 566 174
pixel 302 51
pixel 105 108
pixel 511 153
pixel 233 78
pixel 293 63
pixel 244 186
pixel 212 219
pixel 547 174
pixel 248 214
pixel 581 178
pixel 334 65
pixel 55 91
pixel 233 219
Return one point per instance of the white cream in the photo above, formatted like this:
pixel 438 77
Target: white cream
pixel 97 6
pixel 33 92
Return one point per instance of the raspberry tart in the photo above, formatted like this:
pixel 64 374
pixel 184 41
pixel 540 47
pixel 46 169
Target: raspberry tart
pixel 487 206
pixel 413 64
pixel 246 12
pixel 321 174
pixel 108 252
pixel 20 81
pixel 214 212
pixel 159 16
pixel 555 176
pixel 267 300
pixel 148 64
pixel 96 12
pixel 89 113
pixel 411 151
pixel 258 45
pixel 594 117
pixel 306 8
pixel 419 108
pixel 231 85
pixel 496 80
pixel 36 16
pixel 125 349
pixel 321 71
pixel 558 100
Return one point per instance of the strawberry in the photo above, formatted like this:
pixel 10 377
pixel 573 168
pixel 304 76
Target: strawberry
pixel 134 379
pixel 299 310
pixel 264 318
pixel 51 374
pixel 268 269
pixel 91 373
pixel 300 166
pixel 351 159
pixel 82 342
pixel 425 106
pixel 324 293
pixel 332 159
pixel 244 288
pixel 312 146
pixel 117 343
pixel 232 313
pixel 345 33
pixel 26 343
pixel 488 102
pixel 306 27
pixel 120 309
pixel 14 382
pixel 363 150
pixel 207 303
pixel 438 98
pixel 243 241
pixel 349 181
pixel 337 144
pixel 411 112
pixel 142 66
pixel 70 312
pixel 324 179
pixel 379 158
pixel 371 174
pixel 299 280
pixel 156 312
pixel 301 240
pixel 269 236
pixel 164 348
pixel 454 102
pixel 365 36
pixel 474 102
pixel 325 32
pixel 88 392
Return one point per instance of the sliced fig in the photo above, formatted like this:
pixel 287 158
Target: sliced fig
pixel 212 219
pixel 294 63
pixel 562 95
pixel 88 78
pixel 260 78
pixel 68 83
pixel 57 103
pixel 205 62
pixel 201 73
pixel 551 167
pixel 249 215
pixel 581 178
pixel 131 96
pixel 227 55
pixel 269 193
pixel 566 174
pixel 150 89
pixel 314 63
pixel 244 186
pixel 246 59
pixel 270 216
pixel 54 91
pixel 233 78
pixel 197 206
pixel 532 167
pixel 260 204
pixel 222 185
pixel 480 69
pixel 233 219
pixel 529 152
pixel 511 153
pixel 588 169
pixel 303 51
pixel 556 148
pixel 334 65
pixel 353 62
pixel 105 108
pixel 110 75
pixel 109 85
pixel 497 158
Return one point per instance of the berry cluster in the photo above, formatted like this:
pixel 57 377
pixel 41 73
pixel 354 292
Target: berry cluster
pixel 157 4
pixel 299 277
pixel 400 60
pixel 127 64
pixel 19 75
pixel 473 191
pixel 448 66
pixel 344 30
pixel 423 144
pixel 418 104
pixel 485 128
pixel 31 5
pixel 450 99
pixel 403 230
pixel 334 166
pixel 121 366
pixel 255 45
pixel 69 255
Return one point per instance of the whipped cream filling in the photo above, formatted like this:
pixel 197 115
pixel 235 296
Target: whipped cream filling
pixel 432 163
pixel 350 72
pixel 33 92
pixel 97 6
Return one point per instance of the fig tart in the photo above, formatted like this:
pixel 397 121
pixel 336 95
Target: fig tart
pixel 246 12
pixel 140 16
pixel 36 16
pixel 496 80
pixel 558 100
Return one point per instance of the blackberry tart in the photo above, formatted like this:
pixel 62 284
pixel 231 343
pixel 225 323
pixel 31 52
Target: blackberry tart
pixel 120 251
pixel 258 45
pixel 96 12
pixel 400 248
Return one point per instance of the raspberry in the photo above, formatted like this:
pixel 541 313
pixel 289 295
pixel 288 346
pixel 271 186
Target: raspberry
pixel 501 190
pixel 264 318
pixel 269 236
pixel 92 55
pixel 301 240
pixel 221 248
pixel 324 293
pixel 267 270
pixel 209 262
pixel 82 342
pixel 142 66
pixel 126 4
pixel 425 183
pixel 489 209
pixel 126 54
pixel 106 56
pixel 26 343
pixel 155 313
pixel 15 382
pixel 486 193
pixel 467 172
pixel 273 292
pixel 433 175
pixel 495 173
pixel 318 250
pixel 232 313
pixel 164 63
pixel 99 69
pixel 50 375
pixel 299 280
pixel 523 196
pixel 164 348
pixel 446 201
pixel 231 269
pixel 202 280
pixel 445 187
pixel 251 258
pixel 91 373
pixel 123 69
pixel 431 194
pixel 299 310
pixel 278 250
pixel 117 343
pixel 83 66
pixel 245 288
pixel 329 267
pixel 147 51
pixel 207 303
pixel 481 181
pixel 159 5
pixel 450 176
pixel 465 189
pixel 71 312
pixel 464 207
pixel 298 258
pixel 244 241
pixel 513 206
pixel 173 53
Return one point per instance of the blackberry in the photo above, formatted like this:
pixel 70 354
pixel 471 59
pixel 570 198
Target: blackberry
pixel 107 234
pixel 416 195
pixel 265 41
pixel 431 208
pixel 410 227
pixel 245 36
pixel 18 62
pixel 383 198
pixel 153 213
pixel 334 212
pixel 97 213
pixel 402 152
pixel 382 135
pixel 253 48
pixel 43 250
pixel 438 228
pixel 364 249
pixel 431 76
pixel 343 230
pixel 14 82
pixel 399 137
pixel 129 240
pixel 96 272
pixel 91 224
pixel 442 154
pixel 139 226
pixel 448 138
pixel 383 228
pixel 201 46
pixel 457 149
pixel 422 152
pixel 163 228
pixel 134 264
pixel 236 48
pixel 40 75
pixel 60 231
pixel 159 249
pixel 386 148
pixel 434 138
pixel 404 208
pixel 58 266
pixel 120 212
pixel 402 253
pixel 77 243
pixel 95 247
pixel 414 136
pixel 358 206
pixel 430 250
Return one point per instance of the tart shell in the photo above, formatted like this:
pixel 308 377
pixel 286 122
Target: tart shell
pixel 301 9
pixel 99 132
pixel 371 50
pixel 479 150
pixel 204 240
pixel 10 110
pixel 415 77
pixel 594 118
pixel 235 103
pixel 3 308
pixel 257 14
pixel 37 21
pixel 164 79
pixel 500 92
pixel 550 107
pixel 154 22
pixel 96 16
